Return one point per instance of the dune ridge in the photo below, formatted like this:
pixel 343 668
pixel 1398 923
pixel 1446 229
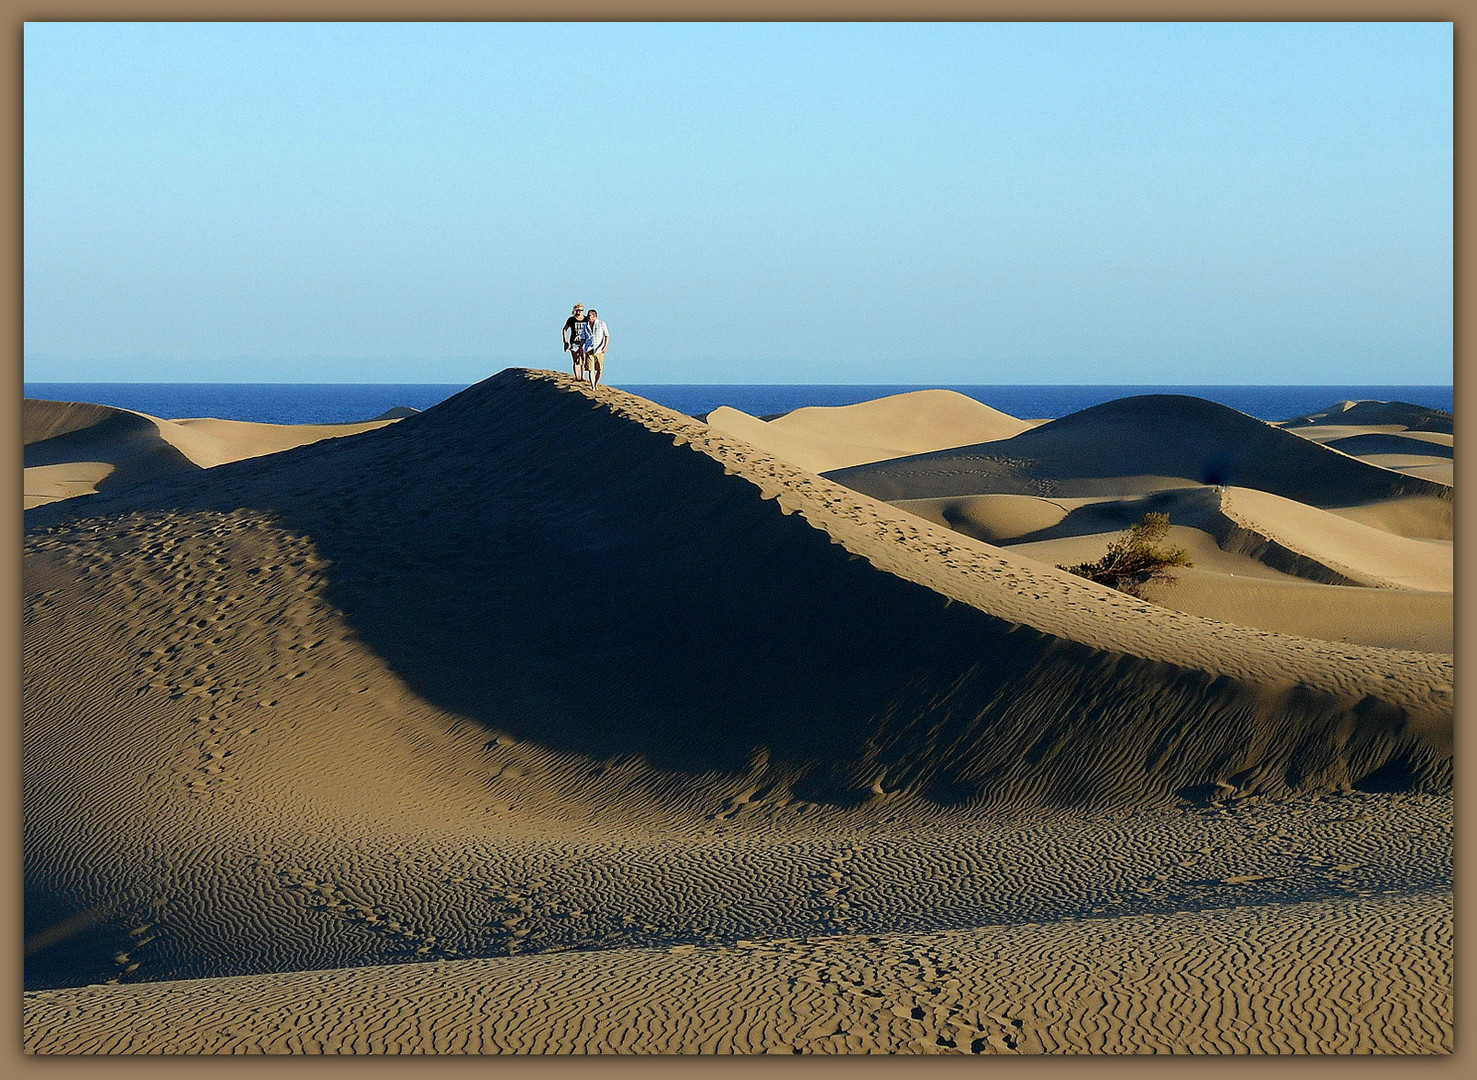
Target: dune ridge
pixel 821 438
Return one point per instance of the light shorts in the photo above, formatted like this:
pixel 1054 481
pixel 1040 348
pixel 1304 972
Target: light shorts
pixel 595 361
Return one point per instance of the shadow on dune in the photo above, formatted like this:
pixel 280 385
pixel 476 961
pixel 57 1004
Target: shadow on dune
pixel 1162 435
pixel 60 433
pixel 1376 443
pixel 524 558
pixel 1403 413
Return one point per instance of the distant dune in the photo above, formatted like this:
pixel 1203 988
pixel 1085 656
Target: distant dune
pixel 73 448
pixel 1137 446
pixel 1097 472
pixel 1399 414
pixel 819 439
pixel 543 669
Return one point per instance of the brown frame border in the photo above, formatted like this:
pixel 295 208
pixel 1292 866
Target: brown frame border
pixel 647 10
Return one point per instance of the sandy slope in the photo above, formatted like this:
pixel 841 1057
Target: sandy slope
pixel 819 439
pixel 73 448
pixel 542 669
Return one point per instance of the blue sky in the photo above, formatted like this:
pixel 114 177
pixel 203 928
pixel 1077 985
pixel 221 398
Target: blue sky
pixel 854 203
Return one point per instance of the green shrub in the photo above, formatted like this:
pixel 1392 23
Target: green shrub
pixel 1135 559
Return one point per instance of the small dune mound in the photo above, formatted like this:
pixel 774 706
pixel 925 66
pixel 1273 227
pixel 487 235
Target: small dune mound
pixel 1136 446
pixel 995 519
pixel 399 412
pixel 538 611
pixel 1300 538
pixel 1401 414
pixel 824 438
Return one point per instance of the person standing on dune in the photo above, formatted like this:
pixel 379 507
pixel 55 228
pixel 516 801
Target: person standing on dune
pixel 574 330
pixel 595 347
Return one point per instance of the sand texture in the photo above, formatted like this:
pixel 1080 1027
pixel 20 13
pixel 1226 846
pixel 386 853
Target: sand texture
pixel 552 720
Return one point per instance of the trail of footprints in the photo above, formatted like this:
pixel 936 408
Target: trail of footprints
pixel 835 890
pixel 517 903
pixel 184 584
pixel 922 991
pixel 126 959
pixel 324 895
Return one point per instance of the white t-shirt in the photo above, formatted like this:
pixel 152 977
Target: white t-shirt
pixel 599 337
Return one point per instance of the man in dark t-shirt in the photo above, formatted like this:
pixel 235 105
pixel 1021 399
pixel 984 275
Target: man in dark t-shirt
pixel 573 340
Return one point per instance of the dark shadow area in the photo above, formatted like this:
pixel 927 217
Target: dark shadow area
pixel 1397 774
pixel 67 945
pixel 1411 417
pixel 130 443
pixel 1381 443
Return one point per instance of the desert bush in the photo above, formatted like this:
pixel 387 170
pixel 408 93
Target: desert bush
pixel 1135 558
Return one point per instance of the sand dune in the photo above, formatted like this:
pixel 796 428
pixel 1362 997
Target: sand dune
pixel 819 439
pixel 1242 530
pixel 602 677
pixel 1138 446
pixel 995 519
pixel 1358 553
pixel 73 448
pixel 1439 472
pixel 1427 454
pixel 1395 414
pixel 1244 499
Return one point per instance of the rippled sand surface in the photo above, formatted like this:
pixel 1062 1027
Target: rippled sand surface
pixel 1332 976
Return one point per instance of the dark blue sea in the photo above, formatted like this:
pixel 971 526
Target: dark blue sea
pixel 328 403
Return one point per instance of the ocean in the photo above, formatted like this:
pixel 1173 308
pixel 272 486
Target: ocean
pixel 330 403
